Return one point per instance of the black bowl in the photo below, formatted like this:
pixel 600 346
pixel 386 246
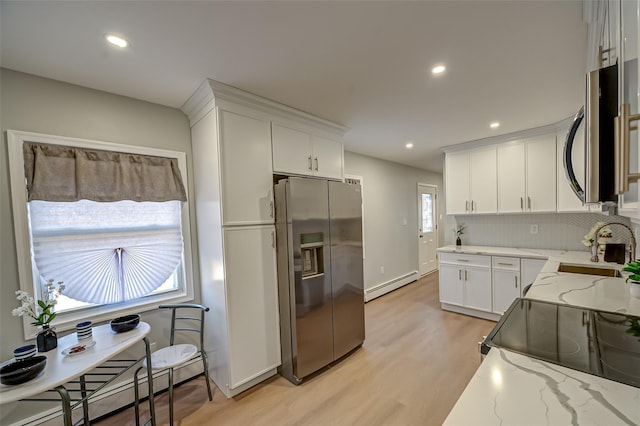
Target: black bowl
pixel 23 370
pixel 126 323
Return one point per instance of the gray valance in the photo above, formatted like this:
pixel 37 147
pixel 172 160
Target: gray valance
pixel 61 173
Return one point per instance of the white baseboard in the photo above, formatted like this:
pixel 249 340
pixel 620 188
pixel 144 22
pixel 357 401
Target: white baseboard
pixel 116 396
pixel 389 286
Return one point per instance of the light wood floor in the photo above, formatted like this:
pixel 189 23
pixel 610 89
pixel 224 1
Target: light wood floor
pixel 413 366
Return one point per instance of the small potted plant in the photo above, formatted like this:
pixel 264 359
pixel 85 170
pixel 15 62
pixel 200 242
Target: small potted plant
pixel 42 311
pixel 634 278
pixel 459 230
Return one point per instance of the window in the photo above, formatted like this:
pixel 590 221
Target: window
pixel 128 255
pixel 427 213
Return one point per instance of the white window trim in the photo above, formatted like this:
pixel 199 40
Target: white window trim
pixel 26 273
pixel 361 180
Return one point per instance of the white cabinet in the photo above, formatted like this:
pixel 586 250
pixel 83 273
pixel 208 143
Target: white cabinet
pixel 530 268
pixel 252 302
pixel 484 285
pixel 451 284
pixel 477 288
pixel 629 76
pixel 506 282
pixel 300 153
pixel 527 175
pixel 465 280
pixel 471 181
pixel 245 153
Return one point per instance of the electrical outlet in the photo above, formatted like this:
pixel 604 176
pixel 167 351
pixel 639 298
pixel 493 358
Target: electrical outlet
pixel 382 269
pixel 534 229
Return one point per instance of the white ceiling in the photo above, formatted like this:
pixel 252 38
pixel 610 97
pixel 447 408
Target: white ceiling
pixel 365 65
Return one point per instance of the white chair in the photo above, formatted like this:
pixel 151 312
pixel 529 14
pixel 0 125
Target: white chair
pixel 174 355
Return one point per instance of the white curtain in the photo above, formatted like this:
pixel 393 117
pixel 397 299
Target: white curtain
pixel 106 252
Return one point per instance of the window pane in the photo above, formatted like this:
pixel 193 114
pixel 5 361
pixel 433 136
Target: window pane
pixel 107 252
pixel 427 213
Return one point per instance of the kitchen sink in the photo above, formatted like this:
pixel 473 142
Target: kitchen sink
pixel 589 270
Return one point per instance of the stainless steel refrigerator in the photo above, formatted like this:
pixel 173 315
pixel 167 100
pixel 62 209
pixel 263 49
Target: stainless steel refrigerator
pixel 320 278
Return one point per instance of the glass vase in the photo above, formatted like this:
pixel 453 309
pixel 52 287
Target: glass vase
pixel 47 339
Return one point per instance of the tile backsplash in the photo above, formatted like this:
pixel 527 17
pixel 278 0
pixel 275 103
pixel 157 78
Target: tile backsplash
pixel 561 231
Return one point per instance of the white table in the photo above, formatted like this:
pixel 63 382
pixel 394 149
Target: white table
pixel 61 369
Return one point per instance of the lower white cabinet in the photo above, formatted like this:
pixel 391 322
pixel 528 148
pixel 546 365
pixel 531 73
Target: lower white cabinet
pixel 465 280
pixel 252 302
pixel 506 282
pixel 484 285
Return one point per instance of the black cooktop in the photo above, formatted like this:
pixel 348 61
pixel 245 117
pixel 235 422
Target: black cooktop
pixel 602 343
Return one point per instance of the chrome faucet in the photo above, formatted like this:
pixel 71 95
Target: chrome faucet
pixel 632 255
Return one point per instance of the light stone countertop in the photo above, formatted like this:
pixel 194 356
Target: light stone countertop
pixel 513 389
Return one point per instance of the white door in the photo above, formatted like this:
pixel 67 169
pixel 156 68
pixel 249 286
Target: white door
pixel 541 174
pixel 483 181
pixel 327 158
pixel 428 237
pixel 247 174
pixel 291 151
pixel 511 178
pixel 457 182
pixel 252 301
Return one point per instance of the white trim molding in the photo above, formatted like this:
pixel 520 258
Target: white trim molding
pixel 389 286
pixel 26 273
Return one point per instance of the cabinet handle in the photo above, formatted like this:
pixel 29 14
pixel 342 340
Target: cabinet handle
pixel 516 281
pixel 310 165
pixel 505 264
pixel 466 206
pixel 521 204
pixel 462 260
pixel 529 203
pixel 316 164
pixel 471 205
pixel 271 209
pixel 465 275
pixel 273 239
pixel 460 274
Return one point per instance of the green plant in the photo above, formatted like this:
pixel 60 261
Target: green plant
pixel 459 229
pixel 43 313
pixel 634 268
pixel 634 326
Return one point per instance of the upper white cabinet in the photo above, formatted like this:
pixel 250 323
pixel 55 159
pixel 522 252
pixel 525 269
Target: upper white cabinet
pixel 527 176
pixel 247 188
pixel 301 153
pixel 471 181
pixel 629 76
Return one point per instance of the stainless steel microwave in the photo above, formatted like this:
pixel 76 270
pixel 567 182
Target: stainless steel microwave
pixel 598 114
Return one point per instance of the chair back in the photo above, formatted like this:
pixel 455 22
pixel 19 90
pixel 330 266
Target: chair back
pixel 188 324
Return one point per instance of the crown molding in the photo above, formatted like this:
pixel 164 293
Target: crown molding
pixel 519 135
pixel 211 92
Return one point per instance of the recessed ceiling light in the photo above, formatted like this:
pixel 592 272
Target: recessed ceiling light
pixel 438 69
pixel 116 41
pixel 494 125
pixel 409 145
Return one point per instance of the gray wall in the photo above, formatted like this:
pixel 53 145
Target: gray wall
pixel 391 196
pixel 41 105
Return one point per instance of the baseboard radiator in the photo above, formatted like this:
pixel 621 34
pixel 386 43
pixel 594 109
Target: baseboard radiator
pixel 389 286
pixel 114 397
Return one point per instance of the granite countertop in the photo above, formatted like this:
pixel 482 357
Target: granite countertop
pixel 509 388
